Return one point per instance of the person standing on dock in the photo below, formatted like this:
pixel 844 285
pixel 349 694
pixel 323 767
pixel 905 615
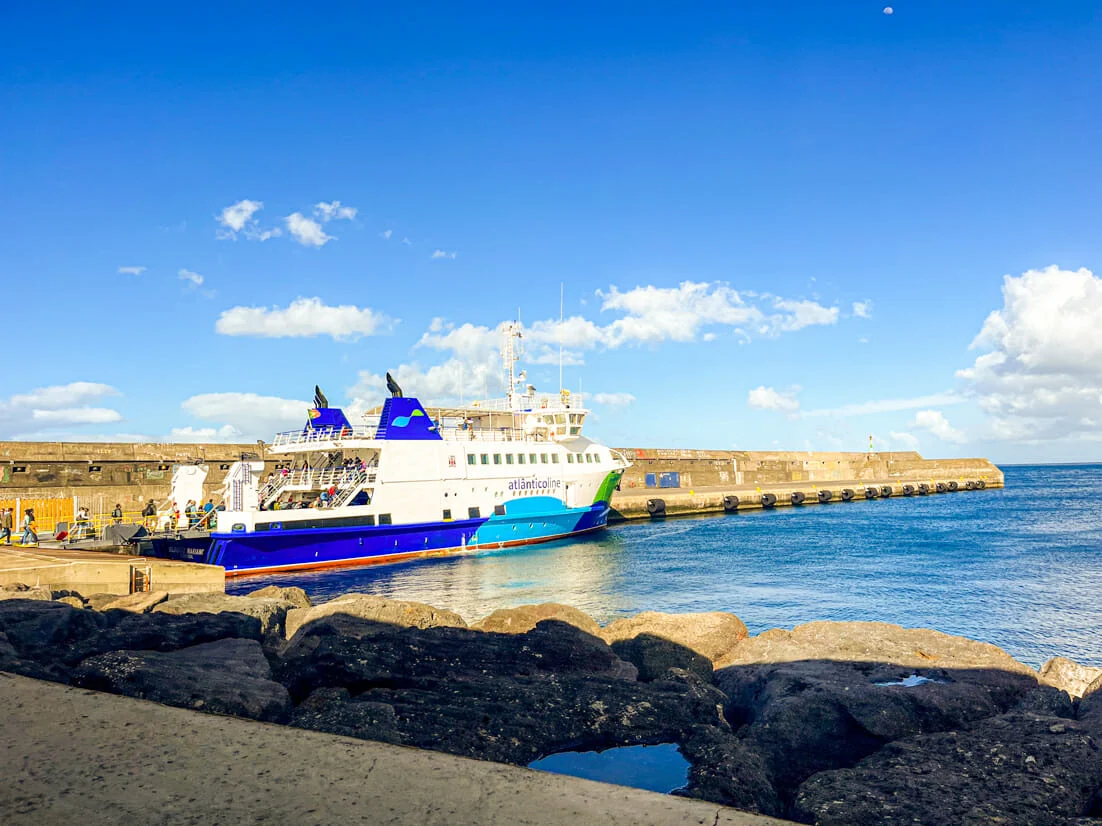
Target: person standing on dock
pixel 29 535
pixel 116 514
pixel 5 525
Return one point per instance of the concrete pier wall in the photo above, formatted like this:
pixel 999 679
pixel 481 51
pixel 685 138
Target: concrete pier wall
pixel 98 475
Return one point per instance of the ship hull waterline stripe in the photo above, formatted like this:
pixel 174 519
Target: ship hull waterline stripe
pixel 404 555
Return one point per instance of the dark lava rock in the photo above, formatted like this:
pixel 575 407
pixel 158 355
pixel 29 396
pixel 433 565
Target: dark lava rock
pixel 655 656
pixel 1017 769
pixel 294 595
pixel 334 711
pixel 161 632
pixel 714 635
pixel 386 614
pixel 18 590
pixel 271 613
pixel 826 695
pixel 359 655
pixel 226 677
pixel 506 697
pixel 526 617
pixel 1090 707
pixel 724 771
pixel 1046 700
pixel 37 627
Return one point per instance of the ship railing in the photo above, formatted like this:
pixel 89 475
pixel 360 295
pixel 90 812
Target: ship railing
pixel 322 434
pixel 530 403
pixel 311 479
pixel 351 486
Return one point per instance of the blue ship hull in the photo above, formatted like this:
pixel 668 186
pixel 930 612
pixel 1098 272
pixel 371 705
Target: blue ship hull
pixel 524 522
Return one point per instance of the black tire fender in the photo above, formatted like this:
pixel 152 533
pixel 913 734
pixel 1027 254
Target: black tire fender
pixel 825 495
pixel 768 500
pixel 730 503
pixel 871 493
pixel 797 497
pixel 908 490
pixel 656 507
pixel 847 495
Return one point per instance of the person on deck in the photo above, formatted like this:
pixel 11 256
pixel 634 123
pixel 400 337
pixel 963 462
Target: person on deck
pixel 29 526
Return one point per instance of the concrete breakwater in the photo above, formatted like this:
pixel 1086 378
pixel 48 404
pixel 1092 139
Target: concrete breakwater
pixel 828 723
pixel 99 475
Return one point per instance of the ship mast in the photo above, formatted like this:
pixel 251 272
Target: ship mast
pixel 510 354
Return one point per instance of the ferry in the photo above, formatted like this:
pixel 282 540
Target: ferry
pixel 412 481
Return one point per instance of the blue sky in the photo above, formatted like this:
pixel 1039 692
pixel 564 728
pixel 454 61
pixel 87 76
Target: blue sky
pixel 777 225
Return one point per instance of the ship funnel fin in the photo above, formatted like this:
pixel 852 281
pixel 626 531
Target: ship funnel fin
pixel 393 387
pixel 319 398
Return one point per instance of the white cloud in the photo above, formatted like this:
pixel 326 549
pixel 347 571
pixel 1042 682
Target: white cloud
pixel 386 233
pixel 1039 377
pixel 240 218
pixel 303 318
pixel 655 314
pixel 131 270
pixel 795 315
pixel 935 422
pixel 612 399
pixel 889 405
pixel 55 406
pixel 306 231
pixel 334 211
pixel 766 398
pixel 236 216
pixel 862 309
pixel 407 242
pixel 193 278
pixel 245 416
pixel 907 440
pixel 442 254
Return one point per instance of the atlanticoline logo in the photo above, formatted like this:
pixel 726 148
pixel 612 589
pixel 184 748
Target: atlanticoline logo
pixel 535 484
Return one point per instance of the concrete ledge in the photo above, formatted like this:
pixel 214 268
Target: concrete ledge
pixel 94 572
pixel 76 756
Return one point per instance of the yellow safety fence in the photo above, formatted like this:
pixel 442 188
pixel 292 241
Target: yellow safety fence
pixel 47 512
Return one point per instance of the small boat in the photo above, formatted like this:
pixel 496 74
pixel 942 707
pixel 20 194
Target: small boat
pixel 412 481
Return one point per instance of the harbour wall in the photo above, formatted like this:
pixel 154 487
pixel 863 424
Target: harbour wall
pixel 98 475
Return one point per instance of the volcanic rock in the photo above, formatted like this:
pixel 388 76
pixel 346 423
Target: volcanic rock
pixel 139 603
pixel 1068 675
pixel 271 612
pixel 225 677
pixel 18 590
pixel 334 711
pixel 296 596
pixel 713 635
pixel 724 771
pixel 655 656
pixel 382 612
pixel 526 617
pixel 1016 769
pixel 826 695
pixel 159 632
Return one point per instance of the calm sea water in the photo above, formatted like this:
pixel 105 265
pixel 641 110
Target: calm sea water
pixel 1019 567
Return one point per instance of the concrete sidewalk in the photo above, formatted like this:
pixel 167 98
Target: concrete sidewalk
pixel 77 756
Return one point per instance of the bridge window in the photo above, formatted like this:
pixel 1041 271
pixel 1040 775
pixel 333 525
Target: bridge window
pixel 597 458
pixel 543 458
pixel 554 458
pixel 470 459
pixel 485 458
pixel 589 457
pixel 570 458
pixel 531 458
pixel 508 458
pixel 497 458
pixel 520 458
